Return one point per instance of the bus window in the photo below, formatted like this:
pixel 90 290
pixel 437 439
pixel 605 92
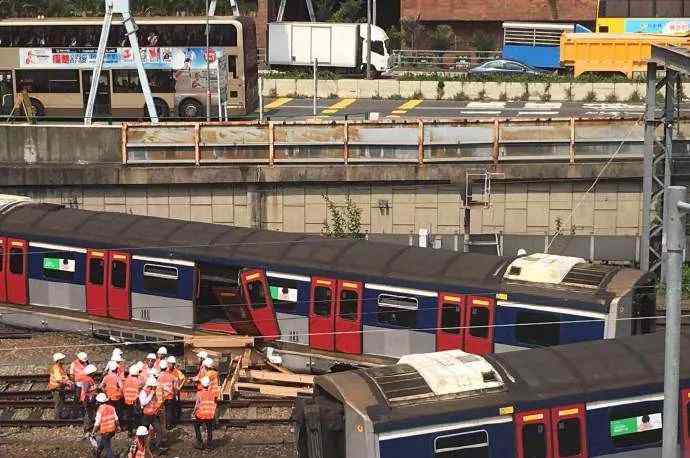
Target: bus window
pixel 127 81
pixel 48 81
pixel 232 66
pixel 223 35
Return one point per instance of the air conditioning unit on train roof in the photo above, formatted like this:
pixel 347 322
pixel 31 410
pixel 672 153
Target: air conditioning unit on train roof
pixel 541 268
pixel 9 201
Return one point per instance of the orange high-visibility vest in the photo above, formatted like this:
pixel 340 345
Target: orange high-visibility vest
pixel 111 387
pixel 77 370
pixel 130 389
pixel 138 449
pixel 153 408
pixel 57 376
pixel 206 405
pixel 88 386
pixel 108 418
pixel 179 379
pixel 144 373
pixel 167 382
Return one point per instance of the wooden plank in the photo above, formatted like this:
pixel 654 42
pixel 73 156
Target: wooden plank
pixel 278 377
pixel 246 358
pixel 229 387
pixel 220 341
pixel 273 390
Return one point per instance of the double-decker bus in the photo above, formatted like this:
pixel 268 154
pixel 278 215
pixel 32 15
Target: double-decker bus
pixel 668 17
pixel 52 59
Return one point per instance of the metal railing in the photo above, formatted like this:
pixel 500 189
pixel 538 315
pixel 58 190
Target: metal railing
pixel 429 60
pixel 355 142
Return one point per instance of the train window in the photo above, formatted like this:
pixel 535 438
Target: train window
pixel 479 322
pixel 634 426
pixel 16 261
pixel 534 440
pixel 161 279
pixel 531 329
pixel 257 298
pixel 58 268
pixel 96 266
pixel 118 274
pixel 569 437
pixel 322 301
pixel 474 444
pixel 348 304
pixel 398 310
pixel 284 295
pixel 450 318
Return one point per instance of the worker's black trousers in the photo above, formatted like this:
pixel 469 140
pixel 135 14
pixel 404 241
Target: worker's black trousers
pixel 208 424
pixel 131 417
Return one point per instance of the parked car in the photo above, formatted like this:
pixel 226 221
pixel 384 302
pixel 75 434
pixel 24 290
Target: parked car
pixel 504 67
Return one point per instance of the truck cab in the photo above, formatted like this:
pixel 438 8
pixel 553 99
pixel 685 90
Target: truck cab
pixel 380 44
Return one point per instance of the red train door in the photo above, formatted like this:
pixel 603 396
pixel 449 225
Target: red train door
pixel 479 317
pixel 450 322
pixel 569 432
pixel 348 318
pixel 322 313
pixel 16 272
pixel 685 417
pixel 260 304
pixel 3 255
pixel 533 434
pixel 96 283
pixel 119 284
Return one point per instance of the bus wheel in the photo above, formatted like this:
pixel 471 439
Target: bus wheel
pixel 39 109
pixel 190 108
pixel 162 109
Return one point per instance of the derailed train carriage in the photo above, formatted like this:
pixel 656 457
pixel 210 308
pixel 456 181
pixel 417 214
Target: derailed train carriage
pixel 590 399
pixel 349 297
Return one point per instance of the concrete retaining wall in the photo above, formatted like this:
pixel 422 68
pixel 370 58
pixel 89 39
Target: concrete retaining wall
pixel 492 91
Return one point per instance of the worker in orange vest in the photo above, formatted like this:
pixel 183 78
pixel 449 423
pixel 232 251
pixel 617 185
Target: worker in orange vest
pixel 131 386
pixel 202 355
pixel 106 424
pixel 76 372
pixel 212 375
pixel 166 380
pixel 149 364
pixel 58 383
pixel 140 446
pixel 151 401
pixel 120 362
pixel 112 386
pixel 161 354
pixel 87 396
pixel 204 413
pixel 180 380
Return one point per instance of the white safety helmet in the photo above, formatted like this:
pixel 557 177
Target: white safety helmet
pixel 117 358
pixel 134 369
pixel 102 397
pixel 140 365
pixel 171 360
pixel 117 351
pixel 151 381
pixel 151 356
pixel 90 369
pixel 58 357
pixel 162 351
pixel 163 365
pixel 83 357
pixel 208 362
pixel 205 382
pixel 142 431
pixel 155 372
pixel 111 366
pixel 202 355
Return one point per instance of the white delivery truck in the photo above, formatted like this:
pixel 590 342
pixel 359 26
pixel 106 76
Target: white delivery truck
pixel 335 45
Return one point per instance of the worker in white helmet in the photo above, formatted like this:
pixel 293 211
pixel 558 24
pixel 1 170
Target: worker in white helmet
pixel 112 386
pixel 151 401
pixel 58 383
pixel 202 355
pixel 106 424
pixel 88 396
pixel 140 445
pixel 161 354
pixel 76 373
pixel 180 379
pixel 131 386
pixel 149 364
pixel 204 413
pixel 212 374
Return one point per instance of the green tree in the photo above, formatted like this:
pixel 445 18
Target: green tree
pixel 442 37
pixel 344 222
pixel 483 42
pixel 350 11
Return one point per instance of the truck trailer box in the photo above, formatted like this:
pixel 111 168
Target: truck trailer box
pixel 299 43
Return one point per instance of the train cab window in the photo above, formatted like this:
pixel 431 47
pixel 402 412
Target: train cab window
pixel 348 304
pixel 59 268
pixel 118 274
pixel 450 318
pixel 479 322
pixel 631 426
pixel 322 301
pixel 161 279
pixel 16 261
pixel 534 440
pixel 569 437
pixel 284 294
pixel 474 444
pixel 398 310
pixel 96 267
pixel 257 298
pixel 531 328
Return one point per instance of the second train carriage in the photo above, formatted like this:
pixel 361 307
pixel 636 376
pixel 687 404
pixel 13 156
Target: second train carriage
pixel 351 297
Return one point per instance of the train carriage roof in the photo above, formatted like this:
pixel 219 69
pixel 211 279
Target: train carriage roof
pixel 589 371
pixel 308 254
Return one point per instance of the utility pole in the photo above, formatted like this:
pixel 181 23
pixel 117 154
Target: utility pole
pixel 316 82
pixel 368 39
pixel 375 13
pixel 675 209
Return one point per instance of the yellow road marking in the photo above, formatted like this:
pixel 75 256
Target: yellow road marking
pixel 329 111
pixel 410 104
pixel 399 111
pixel 277 103
pixel 339 105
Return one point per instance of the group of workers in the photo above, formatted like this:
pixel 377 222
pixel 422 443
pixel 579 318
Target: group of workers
pixel 144 398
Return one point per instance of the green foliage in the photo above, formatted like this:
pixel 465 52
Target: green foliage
pixel 590 97
pixel 634 97
pixel 611 98
pixel 440 89
pixel 461 97
pixel 442 37
pixel 395 97
pixel 417 95
pixel 503 96
pixel 350 11
pixel 344 222
pixel 483 42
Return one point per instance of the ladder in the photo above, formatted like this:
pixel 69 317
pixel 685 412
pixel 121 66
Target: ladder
pixel 233 4
pixel 281 10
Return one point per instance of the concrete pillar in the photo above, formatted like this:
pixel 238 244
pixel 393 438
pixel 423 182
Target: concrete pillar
pixel 254 206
